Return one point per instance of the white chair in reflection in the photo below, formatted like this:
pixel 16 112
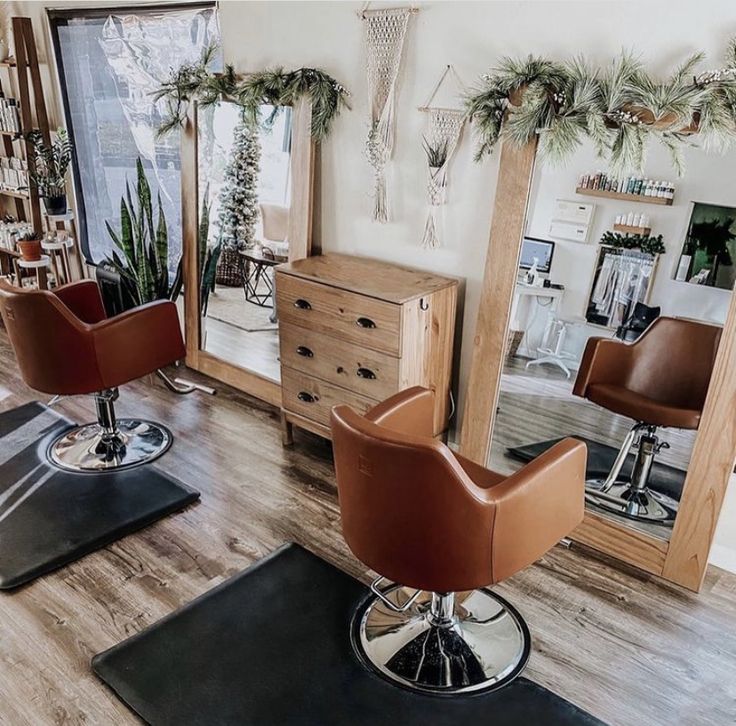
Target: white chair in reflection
pixel 275 225
pixel 556 329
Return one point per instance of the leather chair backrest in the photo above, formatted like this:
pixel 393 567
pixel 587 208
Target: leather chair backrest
pixel 673 362
pixel 406 511
pixel 53 348
pixel 275 222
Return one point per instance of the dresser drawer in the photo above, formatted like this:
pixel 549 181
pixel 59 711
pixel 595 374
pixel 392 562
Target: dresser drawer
pixel 314 399
pixel 367 372
pixel 355 318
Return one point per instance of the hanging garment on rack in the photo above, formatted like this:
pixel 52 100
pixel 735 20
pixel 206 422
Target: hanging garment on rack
pixel 623 280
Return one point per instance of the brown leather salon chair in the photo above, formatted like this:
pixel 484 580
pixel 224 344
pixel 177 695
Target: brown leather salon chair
pixel 65 345
pixel 427 518
pixel 660 380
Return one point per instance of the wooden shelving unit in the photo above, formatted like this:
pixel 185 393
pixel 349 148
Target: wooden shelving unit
pixel 21 79
pixel 640 198
pixel 627 229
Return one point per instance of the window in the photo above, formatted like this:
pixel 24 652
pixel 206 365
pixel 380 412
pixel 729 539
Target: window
pixel 109 64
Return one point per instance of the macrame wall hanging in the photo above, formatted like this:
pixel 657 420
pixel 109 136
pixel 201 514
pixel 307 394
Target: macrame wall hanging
pixel 444 129
pixel 385 32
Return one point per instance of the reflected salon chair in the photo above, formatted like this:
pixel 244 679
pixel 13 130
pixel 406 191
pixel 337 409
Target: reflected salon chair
pixel 420 515
pixel 65 346
pixel 642 316
pixel 275 223
pixel 660 380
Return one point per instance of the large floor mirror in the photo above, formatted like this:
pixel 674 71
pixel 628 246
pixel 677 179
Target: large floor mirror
pixel 253 189
pixel 616 343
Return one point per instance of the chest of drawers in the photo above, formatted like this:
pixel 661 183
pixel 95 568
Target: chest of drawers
pixel 355 330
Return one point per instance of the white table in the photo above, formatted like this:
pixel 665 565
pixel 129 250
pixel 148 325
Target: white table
pixel 525 294
pixel 59 251
pixel 39 266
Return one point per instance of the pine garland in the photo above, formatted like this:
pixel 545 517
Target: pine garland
pixel 618 109
pixel 644 242
pixel 195 82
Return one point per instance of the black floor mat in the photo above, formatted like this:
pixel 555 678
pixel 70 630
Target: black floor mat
pixel 271 647
pixel 50 517
pixel 663 478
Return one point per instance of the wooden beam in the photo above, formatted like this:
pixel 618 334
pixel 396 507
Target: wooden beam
pixel 515 171
pixel 189 152
pixel 624 543
pixel 302 181
pixel 26 115
pixel 711 466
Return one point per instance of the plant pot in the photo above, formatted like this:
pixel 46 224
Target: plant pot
pixel 30 249
pixel 517 96
pixel 55 205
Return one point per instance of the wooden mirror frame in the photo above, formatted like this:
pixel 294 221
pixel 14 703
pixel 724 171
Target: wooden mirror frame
pixel 684 558
pixel 302 162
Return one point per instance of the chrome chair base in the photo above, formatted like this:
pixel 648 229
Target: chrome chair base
pixel 442 644
pixel 89 448
pixel 623 499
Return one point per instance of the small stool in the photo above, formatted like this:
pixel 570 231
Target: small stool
pixel 58 250
pixel 40 266
pixel 554 356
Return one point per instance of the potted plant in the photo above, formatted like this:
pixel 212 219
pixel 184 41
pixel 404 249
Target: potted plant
pixel 29 246
pixel 141 246
pixel 51 164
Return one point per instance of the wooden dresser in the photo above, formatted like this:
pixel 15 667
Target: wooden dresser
pixel 355 330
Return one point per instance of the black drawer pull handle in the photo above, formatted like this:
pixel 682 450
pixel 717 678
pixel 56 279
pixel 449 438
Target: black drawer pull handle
pixel 302 304
pixel 366 373
pixel 365 323
pixel 304 351
pixel 306 397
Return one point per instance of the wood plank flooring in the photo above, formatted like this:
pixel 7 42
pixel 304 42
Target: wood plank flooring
pixel 629 649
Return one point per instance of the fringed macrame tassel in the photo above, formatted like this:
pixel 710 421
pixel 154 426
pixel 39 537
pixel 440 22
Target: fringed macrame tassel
pixel 430 240
pixel 380 206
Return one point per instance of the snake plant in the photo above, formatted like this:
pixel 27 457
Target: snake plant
pixel 143 244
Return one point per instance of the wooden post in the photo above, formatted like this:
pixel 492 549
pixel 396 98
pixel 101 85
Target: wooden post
pixel 515 171
pixel 302 181
pixel 190 235
pixel 710 469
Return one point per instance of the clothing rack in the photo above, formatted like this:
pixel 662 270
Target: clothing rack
pixel 622 279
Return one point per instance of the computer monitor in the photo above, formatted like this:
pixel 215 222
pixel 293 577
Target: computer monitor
pixel 541 249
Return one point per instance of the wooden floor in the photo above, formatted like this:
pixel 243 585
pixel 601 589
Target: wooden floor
pixel 632 651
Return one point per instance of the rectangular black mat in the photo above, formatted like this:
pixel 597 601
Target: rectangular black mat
pixel 271 647
pixel 50 517
pixel 663 478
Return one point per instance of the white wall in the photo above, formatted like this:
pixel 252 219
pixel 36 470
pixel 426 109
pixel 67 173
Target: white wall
pixel 706 180
pixel 472 36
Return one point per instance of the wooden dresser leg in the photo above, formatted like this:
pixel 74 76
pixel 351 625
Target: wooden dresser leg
pixel 287 431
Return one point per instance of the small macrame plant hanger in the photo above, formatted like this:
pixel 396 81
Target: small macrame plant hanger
pixel 385 33
pixel 444 129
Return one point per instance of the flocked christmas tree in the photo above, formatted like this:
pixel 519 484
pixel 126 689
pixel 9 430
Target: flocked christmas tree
pixel 239 195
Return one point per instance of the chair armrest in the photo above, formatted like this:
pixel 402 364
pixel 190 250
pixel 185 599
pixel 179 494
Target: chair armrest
pixel 537 506
pixel 83 299
pixel 408 412
pixel 138 342
pixel 604 361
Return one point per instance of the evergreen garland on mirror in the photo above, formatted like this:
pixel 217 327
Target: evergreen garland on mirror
pixel 644 242
pixel 619 109
pixel 196 82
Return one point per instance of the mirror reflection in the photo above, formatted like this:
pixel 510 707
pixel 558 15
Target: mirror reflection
pixel 709 248
pixel 244 186
pixel 607 342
